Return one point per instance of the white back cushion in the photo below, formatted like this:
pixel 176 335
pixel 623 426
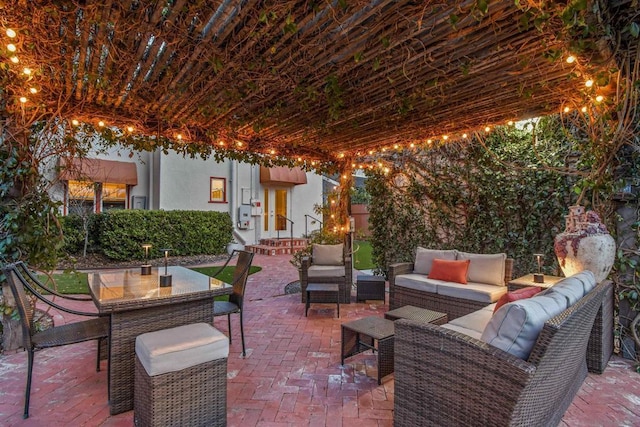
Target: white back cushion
pixel 515 327
pixel 327 254
pixel 485 268
pixel 574 287
pixel 425 257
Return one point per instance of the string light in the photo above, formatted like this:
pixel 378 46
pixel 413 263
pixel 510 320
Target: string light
pixel 299 159
pixel 14 59
pixel 11 47
pixel 584 109
pixel 11 33
pixel 130 128
pixel 487 129
pixel 341 155
pixel 239 143
pixel 567 109
pixel 429 141
pixel 412 145
pixel 396 146
pixel 23 99
pixel 571 59
pixel 101 123
pixel 33 90
pixel 599 98
pixel 272 151
pixel 464 136
pixel 179 136
pixel 510 123
pixel 445 137
pixel 588 83
pixel 75 122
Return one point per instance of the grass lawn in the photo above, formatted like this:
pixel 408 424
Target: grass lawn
pixel 362 258
pixel 76 282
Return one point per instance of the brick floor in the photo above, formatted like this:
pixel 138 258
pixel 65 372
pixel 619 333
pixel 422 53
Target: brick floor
pixel 291 377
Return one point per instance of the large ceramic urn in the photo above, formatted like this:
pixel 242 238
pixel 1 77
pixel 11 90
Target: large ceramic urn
pixel 585 244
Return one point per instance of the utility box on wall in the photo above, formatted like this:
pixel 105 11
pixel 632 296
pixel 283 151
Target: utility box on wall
pixel 244 217
pixel 256 207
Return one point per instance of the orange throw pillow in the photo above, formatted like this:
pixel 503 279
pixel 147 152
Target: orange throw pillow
pixel 449 270
pixel 522 293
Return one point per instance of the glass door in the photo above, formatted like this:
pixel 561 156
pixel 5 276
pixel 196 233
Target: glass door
pixel 276 211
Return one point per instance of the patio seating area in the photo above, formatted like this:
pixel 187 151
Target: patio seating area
pixel 291 375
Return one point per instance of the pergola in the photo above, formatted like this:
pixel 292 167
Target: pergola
pixel 306 80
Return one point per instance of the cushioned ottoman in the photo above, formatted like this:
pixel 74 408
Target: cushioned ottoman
pixel 181 377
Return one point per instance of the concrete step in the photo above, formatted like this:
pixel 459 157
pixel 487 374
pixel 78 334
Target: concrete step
pixel 296 242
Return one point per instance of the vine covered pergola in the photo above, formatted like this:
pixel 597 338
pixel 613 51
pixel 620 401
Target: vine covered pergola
pixel 304 80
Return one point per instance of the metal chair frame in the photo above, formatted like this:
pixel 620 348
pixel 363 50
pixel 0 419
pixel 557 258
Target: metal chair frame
pixel 71 333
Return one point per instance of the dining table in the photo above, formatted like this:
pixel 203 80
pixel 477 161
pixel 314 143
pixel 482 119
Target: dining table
pixel 138 304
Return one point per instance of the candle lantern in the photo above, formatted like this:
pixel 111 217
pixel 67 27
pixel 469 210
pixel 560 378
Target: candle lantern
pixel 145 269
pixel 165 279
pixel 539 277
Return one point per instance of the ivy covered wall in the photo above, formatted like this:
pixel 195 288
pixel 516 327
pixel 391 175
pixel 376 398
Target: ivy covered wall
pixel 497 193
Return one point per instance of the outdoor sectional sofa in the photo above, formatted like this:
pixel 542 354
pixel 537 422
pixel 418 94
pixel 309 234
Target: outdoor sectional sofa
pixel 521 365
pixel 488 275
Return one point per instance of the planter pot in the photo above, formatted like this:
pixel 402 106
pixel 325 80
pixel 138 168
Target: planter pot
pixel 585 245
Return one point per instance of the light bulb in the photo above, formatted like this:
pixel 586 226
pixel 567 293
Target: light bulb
pixel 75 122
pixel 599 98
pixel 412 145
pixel 464 136
pixel 395 146
pixel 510 123
pixel 15 59
pixel 101 123
pixel 445 137
pixel 23 99
pixel 33 90
pixel 11 47
pixel 588 83
pixel 27 71
pixel 567 109
pixel 571 59
pixel 429 141
pixel 130 128
pixel 583 109
pixel 11 33
pixel 487 129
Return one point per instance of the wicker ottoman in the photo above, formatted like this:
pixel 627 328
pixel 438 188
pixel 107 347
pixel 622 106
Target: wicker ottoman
pixel 370 287
pixel 181 377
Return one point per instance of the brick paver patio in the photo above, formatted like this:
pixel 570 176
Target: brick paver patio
pixel 291 377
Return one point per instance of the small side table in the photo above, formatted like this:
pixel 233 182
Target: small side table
pixel 527 281
pixel 369 287
pixel 418 314
pixel 322 287
pixel 360 335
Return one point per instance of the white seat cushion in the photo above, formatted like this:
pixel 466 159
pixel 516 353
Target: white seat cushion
pixel 476 321
pixel 515 327
pixel 419 282
pixel 485 268
pixel 424 258
pixel 480 292
pixel 175 349
pixel 462 329
pixel 326 271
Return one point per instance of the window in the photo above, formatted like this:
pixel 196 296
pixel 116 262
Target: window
pixel 114 196
pixel 218 190
pixel 81 197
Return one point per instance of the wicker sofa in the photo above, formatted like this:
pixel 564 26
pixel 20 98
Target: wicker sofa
pixel 409 284
pixel 446 377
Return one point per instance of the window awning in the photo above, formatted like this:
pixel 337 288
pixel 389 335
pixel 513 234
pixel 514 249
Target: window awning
pixel 282 175
pixel 98 170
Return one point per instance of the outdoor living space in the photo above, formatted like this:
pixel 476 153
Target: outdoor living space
pixel 290 376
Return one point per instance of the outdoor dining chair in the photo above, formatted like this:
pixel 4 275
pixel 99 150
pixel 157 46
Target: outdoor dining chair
pixel 235 303
pixel 32 340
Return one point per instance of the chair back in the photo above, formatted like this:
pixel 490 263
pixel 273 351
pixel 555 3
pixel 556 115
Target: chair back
pixel 240 275
pixel 26 310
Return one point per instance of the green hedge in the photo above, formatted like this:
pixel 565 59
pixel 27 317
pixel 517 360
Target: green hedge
pixel 119 234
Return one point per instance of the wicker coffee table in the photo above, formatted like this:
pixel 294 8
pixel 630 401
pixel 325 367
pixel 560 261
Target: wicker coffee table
pixel 361 335
pixel 418 314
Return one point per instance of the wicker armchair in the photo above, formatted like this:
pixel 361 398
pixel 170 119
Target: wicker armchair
pixel 339 270
pixel 72 333
pixel 444 377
